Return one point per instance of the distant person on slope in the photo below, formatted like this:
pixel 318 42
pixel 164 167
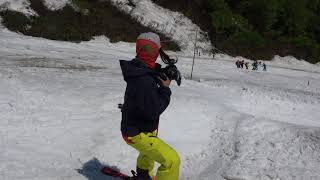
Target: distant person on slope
pixel 264 67
pixel 247 65
pixel 238 64
pixel 146 97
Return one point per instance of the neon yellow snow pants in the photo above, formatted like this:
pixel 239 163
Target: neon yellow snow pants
pixel 153 149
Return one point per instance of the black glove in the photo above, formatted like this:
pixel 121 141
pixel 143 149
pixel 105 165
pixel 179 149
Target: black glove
pixel 171 72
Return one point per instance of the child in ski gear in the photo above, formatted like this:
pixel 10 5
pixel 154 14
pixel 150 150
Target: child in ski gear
pixel 146 97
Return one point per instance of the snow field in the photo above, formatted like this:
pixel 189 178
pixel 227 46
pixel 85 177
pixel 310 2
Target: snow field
pixel 58 114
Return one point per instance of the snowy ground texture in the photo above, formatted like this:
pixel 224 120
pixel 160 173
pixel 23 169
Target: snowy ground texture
pixel 59 118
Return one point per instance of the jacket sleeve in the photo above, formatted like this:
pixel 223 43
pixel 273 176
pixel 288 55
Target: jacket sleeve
pixel 164 94
pixel 151 100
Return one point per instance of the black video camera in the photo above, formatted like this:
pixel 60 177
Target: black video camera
pixel 170 71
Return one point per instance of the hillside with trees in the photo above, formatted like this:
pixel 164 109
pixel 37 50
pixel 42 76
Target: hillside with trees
pixel 80 22
pixel 257 29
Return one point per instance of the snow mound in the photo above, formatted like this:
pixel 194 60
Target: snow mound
pixel 105 41
pixel 277 151
pixel 226 57
pixel 56 4
pixel 22 6
pixel 290 61
pixel 173 24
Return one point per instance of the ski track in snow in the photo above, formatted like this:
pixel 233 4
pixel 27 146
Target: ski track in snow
pixel 58 103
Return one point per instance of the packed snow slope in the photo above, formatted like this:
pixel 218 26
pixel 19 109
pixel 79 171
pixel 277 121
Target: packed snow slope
pixel 59 118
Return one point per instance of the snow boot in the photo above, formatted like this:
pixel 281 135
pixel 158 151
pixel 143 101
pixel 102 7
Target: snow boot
pixel 143 174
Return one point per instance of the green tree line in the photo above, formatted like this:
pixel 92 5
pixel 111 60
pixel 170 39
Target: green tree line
pixel 257 28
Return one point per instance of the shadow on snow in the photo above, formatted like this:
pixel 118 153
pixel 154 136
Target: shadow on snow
pixel 91 170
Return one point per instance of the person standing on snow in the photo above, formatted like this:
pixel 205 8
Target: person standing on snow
pixel 247 65
pixel 264 67
pixel 238 64
pixel 146 97
pixel 255 65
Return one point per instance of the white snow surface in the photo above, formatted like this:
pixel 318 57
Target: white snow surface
pixel 17 5
pixel 56 4
pixel 59 118
pixel 173 24
pixel 24 5
pixel 293 62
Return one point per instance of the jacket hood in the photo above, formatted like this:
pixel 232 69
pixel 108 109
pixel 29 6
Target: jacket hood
pixel 134 68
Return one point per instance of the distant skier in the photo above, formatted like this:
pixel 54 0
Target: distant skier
pixel 238 64
pixel 146 97
pixel 247 65
pixel 264 67
pixel 255 65
pixel 241 64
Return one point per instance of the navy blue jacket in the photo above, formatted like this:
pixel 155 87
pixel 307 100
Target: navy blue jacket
pixel 145 98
